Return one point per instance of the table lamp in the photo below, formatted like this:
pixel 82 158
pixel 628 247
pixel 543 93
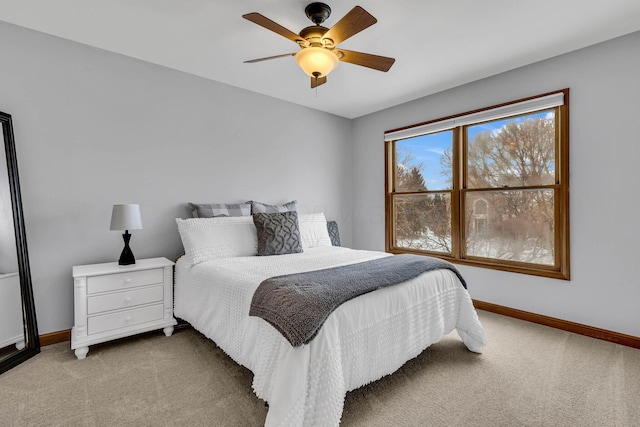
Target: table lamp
pixel 126 217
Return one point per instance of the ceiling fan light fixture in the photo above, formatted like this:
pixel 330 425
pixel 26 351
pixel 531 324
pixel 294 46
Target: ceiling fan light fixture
pixel 319 53
pixel 317 61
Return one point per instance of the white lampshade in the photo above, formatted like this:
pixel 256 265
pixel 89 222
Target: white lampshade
pixel 317 60
pixel 126 217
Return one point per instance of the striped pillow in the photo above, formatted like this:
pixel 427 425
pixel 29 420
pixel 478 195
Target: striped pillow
pixel 259 207
pixel 211 210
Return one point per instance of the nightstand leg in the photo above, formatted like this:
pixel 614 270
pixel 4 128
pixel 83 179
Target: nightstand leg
pixel 168 330
pixel 81 352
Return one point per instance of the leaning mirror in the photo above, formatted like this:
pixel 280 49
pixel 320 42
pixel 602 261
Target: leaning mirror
pixel 18 329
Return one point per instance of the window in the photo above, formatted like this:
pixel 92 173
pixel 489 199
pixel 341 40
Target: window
pixel 487 188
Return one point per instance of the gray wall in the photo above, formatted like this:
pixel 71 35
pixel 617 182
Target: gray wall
pixel 94 128
pixel 605 231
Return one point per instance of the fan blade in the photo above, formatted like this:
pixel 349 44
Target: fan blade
pixel 269 57
pixel 267 23
pixel 352 23
pixel 317 81
pixel 380 63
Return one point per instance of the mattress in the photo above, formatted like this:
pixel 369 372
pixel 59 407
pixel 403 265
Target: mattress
pixel 361 341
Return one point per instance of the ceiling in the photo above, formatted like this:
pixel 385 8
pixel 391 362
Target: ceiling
pixel 438 44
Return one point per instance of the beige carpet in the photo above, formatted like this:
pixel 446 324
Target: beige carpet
pixel 529 375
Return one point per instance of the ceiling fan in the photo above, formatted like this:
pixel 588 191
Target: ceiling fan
pixel 319 54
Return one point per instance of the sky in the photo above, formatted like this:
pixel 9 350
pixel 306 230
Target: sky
pixel 428 149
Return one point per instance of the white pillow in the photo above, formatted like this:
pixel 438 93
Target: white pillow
pixel 218 237
pixel 313 230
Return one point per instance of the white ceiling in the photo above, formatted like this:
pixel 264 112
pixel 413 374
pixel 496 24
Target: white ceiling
pixel 438 44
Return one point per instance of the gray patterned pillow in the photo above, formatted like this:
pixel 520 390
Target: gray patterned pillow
pixel 278 233
pixel 211 210
pixel 334 235
pixel 259 207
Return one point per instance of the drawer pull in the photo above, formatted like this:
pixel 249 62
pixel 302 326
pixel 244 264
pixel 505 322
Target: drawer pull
pixel 127 319
pixel 127 300
pixel 127 280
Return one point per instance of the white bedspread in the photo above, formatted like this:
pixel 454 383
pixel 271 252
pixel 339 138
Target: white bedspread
pixel 364 339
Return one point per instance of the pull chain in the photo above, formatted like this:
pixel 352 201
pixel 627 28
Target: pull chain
pixel 316 75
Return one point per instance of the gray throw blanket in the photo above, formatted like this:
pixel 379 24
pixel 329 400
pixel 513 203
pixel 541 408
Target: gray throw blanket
pixel 298 304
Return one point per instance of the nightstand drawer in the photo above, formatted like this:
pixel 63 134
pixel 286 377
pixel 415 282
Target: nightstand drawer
pixel 130 298
pixel 123 319
pixel 114 282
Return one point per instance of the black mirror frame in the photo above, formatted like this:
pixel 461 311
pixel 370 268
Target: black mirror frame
pixel 32 340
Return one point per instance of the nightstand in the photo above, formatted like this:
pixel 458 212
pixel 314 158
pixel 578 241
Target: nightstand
pixel 113 301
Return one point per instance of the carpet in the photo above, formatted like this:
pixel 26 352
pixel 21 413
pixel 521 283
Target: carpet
pixel 529 375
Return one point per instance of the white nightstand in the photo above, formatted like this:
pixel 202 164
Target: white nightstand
pixel 114 301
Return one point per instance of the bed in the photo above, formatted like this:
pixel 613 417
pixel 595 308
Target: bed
pixel 363 340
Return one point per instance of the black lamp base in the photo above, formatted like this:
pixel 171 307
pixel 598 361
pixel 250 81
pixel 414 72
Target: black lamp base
pixel 126 257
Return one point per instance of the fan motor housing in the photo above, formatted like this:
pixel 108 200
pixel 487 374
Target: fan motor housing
pixel 313 33
pixel 317 12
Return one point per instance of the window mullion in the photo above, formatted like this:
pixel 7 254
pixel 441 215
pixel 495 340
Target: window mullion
pixel 456 201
